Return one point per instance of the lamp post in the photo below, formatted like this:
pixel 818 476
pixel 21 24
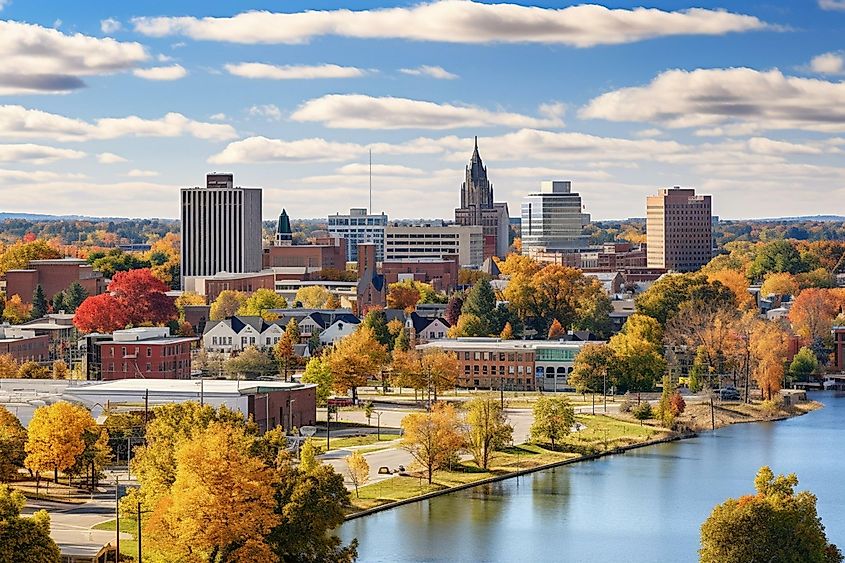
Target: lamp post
pixel 378 425
pixel 117 515
pixel 604 385
pixel 290 414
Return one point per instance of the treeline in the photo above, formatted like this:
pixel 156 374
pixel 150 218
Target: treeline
pixel 88 232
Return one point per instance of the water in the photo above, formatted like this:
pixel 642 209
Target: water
pixel 645 505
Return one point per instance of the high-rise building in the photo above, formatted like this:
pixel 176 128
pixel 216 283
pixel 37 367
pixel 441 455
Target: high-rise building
pixel 428 240
pixel 221 228
pixel 478 208
pixel 552 220
pixel 678 229
pixel 359 227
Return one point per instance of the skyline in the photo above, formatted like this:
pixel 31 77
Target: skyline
pixel 742 102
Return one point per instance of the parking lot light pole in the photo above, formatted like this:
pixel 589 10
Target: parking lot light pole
pixel 378 425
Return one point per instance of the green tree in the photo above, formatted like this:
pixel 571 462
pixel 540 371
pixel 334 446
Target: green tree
pixel 591 371
pixel 24 539
pixel 260 302
pixel 643 412
pixel 12 442
pixel 74 295
pixel 292 329
pixel 487 429
pixel 39 302
pixel 775 257
pixel 319 372
pixel 251 362
pixel 804 364
pixel 776 524
pixel 481 302
pixel 553 419
pixel 638 352
pixel 376 321
pixel 403 341
pixel 58 302
pixel 665 296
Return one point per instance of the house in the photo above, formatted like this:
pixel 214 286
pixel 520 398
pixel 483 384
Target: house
pixel 425 329
pixel 236 333
pixel 339 330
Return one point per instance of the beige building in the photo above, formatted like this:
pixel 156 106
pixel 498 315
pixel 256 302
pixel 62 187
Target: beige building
pixel 679 229
pixel 402 242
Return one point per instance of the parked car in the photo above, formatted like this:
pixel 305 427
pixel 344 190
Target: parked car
pixel 729 394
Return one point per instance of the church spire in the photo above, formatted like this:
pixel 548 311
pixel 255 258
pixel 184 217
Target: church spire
pixel 284 234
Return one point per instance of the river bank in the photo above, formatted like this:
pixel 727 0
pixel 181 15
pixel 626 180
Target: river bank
pixel 602 435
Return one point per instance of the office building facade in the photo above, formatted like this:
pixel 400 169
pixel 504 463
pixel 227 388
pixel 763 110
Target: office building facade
pixel 359 227
pixel 552 219
pixel 679 230
pixel 404 242
pixel 221 228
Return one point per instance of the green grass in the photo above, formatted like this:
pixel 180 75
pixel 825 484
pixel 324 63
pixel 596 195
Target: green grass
pixel 128 548
pixel 349 441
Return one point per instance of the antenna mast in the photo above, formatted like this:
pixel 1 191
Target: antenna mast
pixel 371 181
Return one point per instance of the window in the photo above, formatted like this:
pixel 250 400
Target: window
pixel 150 350
pixel 149 367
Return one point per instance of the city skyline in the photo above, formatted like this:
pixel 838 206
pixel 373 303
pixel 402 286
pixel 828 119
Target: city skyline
pixel 108 110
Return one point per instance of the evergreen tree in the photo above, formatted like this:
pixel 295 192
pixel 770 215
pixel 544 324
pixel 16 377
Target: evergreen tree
pixel 402 342
pixel 481 302
pixel 74 296
pixel 39 302
pixel 59 302
pixel 376 320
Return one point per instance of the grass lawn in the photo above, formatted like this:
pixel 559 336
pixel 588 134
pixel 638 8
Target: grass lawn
pixel 348 441
pixel 128 548
pixel 602 430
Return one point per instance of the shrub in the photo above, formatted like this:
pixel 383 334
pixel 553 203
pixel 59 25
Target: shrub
pixel 627 404
pixel 643 411
pixel 677 404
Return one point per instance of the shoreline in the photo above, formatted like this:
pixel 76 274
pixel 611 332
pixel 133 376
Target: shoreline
pixel 794 412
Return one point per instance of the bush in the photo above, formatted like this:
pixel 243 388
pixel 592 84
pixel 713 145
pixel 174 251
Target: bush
pixel 627 404
pixel 771 407
pixel 643 411
pixel 677 404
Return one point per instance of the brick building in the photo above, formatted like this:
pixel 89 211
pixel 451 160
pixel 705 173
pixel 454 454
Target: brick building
pixel 24 345
pixel 53 276
pixel 371 290
pixel 327 253
pixel 245 283
pixel 679 229
pixel 144 353
pixel 441 274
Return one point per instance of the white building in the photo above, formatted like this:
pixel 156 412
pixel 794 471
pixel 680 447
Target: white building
pixel 552 219
pixel 430 240
pixel 221 228
pixel 236 333
pixel 359 227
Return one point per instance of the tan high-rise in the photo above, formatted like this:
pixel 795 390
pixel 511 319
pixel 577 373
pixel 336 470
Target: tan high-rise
pixel 678 229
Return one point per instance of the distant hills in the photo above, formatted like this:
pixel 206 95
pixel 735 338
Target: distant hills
pixel 42 217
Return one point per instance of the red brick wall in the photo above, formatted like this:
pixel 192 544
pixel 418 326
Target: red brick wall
pixel 443 275
pixel 53 279
pixel 246 285
pixel 488 367
pixel 133 360
pixel 26 349
pixel 304 408
pixel 316 257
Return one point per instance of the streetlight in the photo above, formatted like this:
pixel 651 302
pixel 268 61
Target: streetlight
pixel 604 385
pixel 290 414
pixel 117 515
pixel 378 427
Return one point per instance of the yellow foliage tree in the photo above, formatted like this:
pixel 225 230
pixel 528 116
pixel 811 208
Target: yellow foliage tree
pixel 769 348
pixel 16 311
pixel 433 438
pixel 227 304
pixel 220 507
pixel 313 296
pixel 8 367
pixel 60 370
pixel 781 283
pixel 737 283
pixel 358 469
pixel 56 437
pixel 507 332
pixel 355 359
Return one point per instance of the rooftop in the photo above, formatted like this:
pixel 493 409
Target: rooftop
pixel 185 386
pixel 499 344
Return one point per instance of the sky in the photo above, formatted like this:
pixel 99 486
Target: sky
pixel 108 108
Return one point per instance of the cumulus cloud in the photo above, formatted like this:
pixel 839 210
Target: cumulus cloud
pixel 269 111
pixel 110 25
pixel 437 72
pixel 292 72
pixel 37 59
pixel 832 4
pixel 109 158
pixel 20 122
pixel 734 101
pixel 358 111
pixel 137 173
pixel 36 154
pixel 172 72
pixel 380 169
pixel 828 63
pixel 262 149
pixel 27 176
pixel 458 21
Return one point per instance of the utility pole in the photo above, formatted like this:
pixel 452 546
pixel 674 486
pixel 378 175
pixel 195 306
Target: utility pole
pixel 139 531
pixel 117 515
pixel 378 427
pixel 371 180
pixel 604 385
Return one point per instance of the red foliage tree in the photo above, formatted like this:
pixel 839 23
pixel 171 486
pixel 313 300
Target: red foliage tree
pixel 677 404
pixel 135 298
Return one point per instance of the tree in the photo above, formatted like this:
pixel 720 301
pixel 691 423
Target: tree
pixel 453 309
pixel 19 254
pixel 710 328
pixel 310 505
pixel 251 362
pixel 737 283
pixel 407 369
pixel 776 524
pixel 774 257
pixel 813 311
pixel 24 539
pixel 553 419
pixel 403 296
pixel 638 352
pixel 74 295
pixel 292 329
pixel 480 301
pixel 556 331
pixel 39 303
pixel 769 348
pixel 359 470
pixel 33 370
pixel 804 364
pixel 376 321
pixel 226 305
pixel 308 456
pixel 332 302
pixel 220 506
pixel 8 367
pixel 403 341
pixel 487 429
pixel 665 296
pixel 643 412
pixel 285 354
pixel 187 299
pixel 440 368
pixel 60 370
pixel 100 313
pixel 56 437
pixel 665 410
pixel 58 303
pixel 12 442
pixel 432 438
pixel 355 359
pixel 319 372
pixel 260 302
pixel 16 311
pixel 591 370
pixel 507 332
pixel 468 325
pixel 313 296
pixel 781 283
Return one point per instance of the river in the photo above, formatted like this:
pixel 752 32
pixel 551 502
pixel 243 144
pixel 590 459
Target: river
pixel 644 505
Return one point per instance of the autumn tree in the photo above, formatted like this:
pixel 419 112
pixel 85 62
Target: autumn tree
pixel 33 370
pixel 220 506
pixel 556 331
pixel 313 296
pixel 707 327
pixel 453 309
pixel 406 369
pixel 775 524
pixel 187 299
pixel 285 354
pixel 16 311
pixel 469 325
pixel 403 296
pixel 251 362
pixel 737 282
pixel 226 305
pixel 487 429
pixel 553 420
pixel 432 438
pixel 332 302
pixel 781 283
pixel 769 346
pixel 638 352
pixel 355 359
pixel 358 469
pixel 665 296
pixel 591 371
pixel 8 367
pixel 24 538
pixel 402 341
pixel 56 437
pixel 60 370
pixel 507 332
pixel 12 442
pixel 261 302
pixel 319 372
pixel 813 311
pixel 16 256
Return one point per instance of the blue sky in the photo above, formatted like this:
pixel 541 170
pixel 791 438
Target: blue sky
pixel 108 108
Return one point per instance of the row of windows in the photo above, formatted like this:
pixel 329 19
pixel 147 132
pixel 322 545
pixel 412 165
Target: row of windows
pixel 162 366
pixel 167 350
pixel 494 369
pixel 511 356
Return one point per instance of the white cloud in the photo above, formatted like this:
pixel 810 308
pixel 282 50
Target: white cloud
pixel 380 170
pixel 358 111
pixel 828 63
pixel 762 145
pixel 649 133
pixel 458 21
pixel 137 173
pixel 734 101
pixel 437 72
pixel 42 60
pixel 832 4
pixel 292 72
pixel 218 117
pixel 172 72
pixel 19 122
pixel 262 149
pixel 27 176
pixel 4 3
pixel 269 111
pixel 110 25
pixel 109 158
pixel 36 154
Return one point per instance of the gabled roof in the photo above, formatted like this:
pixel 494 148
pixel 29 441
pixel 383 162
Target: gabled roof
pixel 237 324
pixel 394 315
pixel 325 320
pixel 490 267
pixel 421 323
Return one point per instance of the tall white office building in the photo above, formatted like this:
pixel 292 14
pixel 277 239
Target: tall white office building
pixel 552 219
pixel 359 227
pixel 221 228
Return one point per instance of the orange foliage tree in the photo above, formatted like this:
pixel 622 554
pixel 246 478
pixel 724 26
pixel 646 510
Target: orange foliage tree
pixel 813 311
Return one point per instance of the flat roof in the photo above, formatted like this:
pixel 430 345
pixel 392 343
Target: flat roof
pixel 497 344
pixel 192 386
pixel 168 340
